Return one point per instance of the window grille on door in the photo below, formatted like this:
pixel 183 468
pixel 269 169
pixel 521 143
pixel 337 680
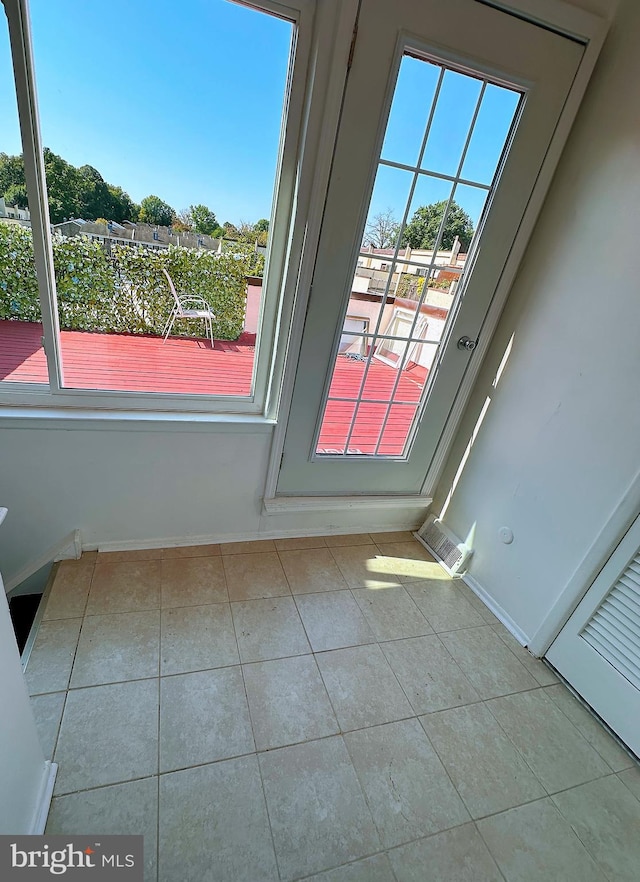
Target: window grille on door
pixel 443 147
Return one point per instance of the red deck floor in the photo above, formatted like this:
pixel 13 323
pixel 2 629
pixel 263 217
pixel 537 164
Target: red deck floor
pixel 130 363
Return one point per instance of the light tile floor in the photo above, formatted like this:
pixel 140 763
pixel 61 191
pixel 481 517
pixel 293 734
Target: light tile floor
pixel 325 709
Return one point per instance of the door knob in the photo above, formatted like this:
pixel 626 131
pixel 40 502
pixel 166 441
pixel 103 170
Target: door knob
pixel 467 343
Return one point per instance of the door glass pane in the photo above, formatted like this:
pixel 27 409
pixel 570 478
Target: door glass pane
pixel 489 134
pixel 22 358
pixel 403 291
pixel 161 165
pixel 451 122
pixel 412 100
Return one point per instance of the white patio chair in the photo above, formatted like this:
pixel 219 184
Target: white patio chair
pixel 187 306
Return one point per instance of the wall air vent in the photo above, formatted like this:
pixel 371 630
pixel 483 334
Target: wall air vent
pixel 453 553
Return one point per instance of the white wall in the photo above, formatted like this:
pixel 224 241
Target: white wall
pixel 161 484
pixel 560 442
pixel 23 772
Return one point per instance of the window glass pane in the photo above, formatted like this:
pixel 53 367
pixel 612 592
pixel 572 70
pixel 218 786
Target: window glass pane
pixel 415 88
pixel 388 200
pixel 472 201
pixel 452 119
pixel 22 358
pixel 393 435
pixel 402 295
pixel 430 198
pixel 160 172
pixel 492 126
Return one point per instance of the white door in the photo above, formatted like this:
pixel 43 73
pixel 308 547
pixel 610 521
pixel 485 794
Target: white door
pixel 450 103
pixel 598 650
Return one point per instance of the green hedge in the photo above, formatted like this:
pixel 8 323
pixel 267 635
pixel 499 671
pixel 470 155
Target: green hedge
pixel 126 291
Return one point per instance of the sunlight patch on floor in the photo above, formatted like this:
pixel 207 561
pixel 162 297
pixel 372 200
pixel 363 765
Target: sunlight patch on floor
pixel 402 566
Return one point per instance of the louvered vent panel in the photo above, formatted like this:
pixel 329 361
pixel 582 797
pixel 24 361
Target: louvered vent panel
pixel 445 549
pixel 614 628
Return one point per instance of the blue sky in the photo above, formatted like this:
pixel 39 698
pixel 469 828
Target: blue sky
pixel 415 90
pixel 184 101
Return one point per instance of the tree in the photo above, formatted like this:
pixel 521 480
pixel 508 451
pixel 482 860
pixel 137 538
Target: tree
pixel 203 220
pixel 73 192
pixel 64 188
pixel 11 175
pixel 154 211
pixel 94 198
pixel 246 232
pixel 382 230
pixel 230 230
pixel 250 233
pixel 16 194
pixel 123 208
pixel 183 222
pixel 422 230
pixel 262 226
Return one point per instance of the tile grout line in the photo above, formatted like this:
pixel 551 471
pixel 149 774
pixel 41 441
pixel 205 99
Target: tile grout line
pixel 601 725
pixel 378 642
pixel 585 845
pixel 521 754
pixel 157 777
pixel 255 745
pixel 159 728
pixel 264 792
pixel 268 814
pixel 455 663
pixel 66 689
pixel 486 845
pixel 617 774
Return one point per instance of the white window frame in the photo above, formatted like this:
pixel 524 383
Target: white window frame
pixel 302 107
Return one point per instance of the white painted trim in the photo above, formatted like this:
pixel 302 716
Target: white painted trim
pixel 585 574
pixel 562 17
pixel 36 180
pixel 483 595
pixel 276 297
pixel 34 395
pixel 132 421
pixel 595 32
pixel 289 504
pixel 223 538
pixel 72 550
pixel 327 92
pixel 496 609
pixel 44 799
pixel 54 552
pixel 37 620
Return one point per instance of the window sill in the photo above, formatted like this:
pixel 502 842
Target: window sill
pixel 18 417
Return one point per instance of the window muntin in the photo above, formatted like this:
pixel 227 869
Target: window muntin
pixel 465 123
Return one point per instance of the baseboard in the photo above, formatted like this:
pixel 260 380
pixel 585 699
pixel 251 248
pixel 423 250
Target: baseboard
pixel 69 548
pixel 35 625
pixel 496 609
pixel 44 801
pixel 221 538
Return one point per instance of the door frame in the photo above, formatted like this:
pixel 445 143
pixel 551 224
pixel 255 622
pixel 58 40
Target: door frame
pixel 577 24
pixel 596 679
pixel 601 549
